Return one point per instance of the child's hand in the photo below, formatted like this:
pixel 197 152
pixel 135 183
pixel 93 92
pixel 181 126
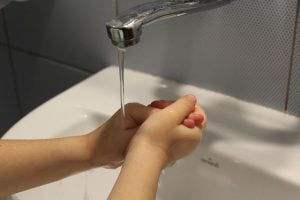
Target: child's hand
pixel 195 118
pixel 107 144
pixel 168 131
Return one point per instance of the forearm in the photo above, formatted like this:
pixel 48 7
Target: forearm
pixel 26 164
pixel 139 175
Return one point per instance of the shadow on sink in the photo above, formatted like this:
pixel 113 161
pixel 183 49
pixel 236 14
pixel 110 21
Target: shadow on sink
pixel 229 115
pixel 210 176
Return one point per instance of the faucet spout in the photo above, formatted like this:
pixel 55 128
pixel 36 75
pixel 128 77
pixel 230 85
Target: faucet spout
pixel 125 30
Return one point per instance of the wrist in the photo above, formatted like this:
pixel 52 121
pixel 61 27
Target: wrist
pixel 140 173
pixel 97 152
pixel 143 153
pixel 87 154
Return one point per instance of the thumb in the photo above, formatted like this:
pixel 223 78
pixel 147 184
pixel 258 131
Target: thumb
pixel 181 108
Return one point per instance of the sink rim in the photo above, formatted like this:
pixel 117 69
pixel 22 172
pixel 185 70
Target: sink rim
pixel 231 141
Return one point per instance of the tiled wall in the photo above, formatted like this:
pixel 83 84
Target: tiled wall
pixel 2 33
pixel 39 79
pixel 294 98
pixel 70 31
pixel 9 110
pixel 243 49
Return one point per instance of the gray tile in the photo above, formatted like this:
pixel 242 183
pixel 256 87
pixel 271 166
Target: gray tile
pixel 72 31
pixel 9 112
pixel 2 33
pixel 294 97
pixel 40 79
pixel 242 49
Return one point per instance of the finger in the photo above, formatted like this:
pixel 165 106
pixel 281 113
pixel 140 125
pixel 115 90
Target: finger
pixel 199 110
pixel 199 121
pixel 197 118
pixel 194 119
pixel 180 109
pixel 189 123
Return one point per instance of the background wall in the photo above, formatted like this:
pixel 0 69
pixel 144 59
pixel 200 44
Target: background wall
pixel 294 95
pixel 9 108
pixel 10 112
pixel 244 49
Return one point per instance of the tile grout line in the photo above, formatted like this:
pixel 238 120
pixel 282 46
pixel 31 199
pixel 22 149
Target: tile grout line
pixel 68 65
pixel 49 59
pixel 12 68
pixel 292 57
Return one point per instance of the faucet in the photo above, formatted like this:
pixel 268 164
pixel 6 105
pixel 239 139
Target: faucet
pixel 126 29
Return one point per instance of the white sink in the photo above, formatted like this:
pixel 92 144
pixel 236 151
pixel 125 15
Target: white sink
pixel 249 152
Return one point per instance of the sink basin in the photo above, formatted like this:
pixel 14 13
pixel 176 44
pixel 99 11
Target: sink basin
pixel 249 151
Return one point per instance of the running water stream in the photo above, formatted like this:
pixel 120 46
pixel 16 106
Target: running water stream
pixel 121 54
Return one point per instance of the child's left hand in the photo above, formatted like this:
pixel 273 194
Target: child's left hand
pixel 107 144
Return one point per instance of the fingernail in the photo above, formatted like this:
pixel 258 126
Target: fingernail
pixel 190 97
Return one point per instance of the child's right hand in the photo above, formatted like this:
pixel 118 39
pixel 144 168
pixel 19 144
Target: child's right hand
pixel 169 132
pixel 195 118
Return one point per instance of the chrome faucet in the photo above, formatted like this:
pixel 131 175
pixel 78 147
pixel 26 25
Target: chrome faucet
pixel 125 30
